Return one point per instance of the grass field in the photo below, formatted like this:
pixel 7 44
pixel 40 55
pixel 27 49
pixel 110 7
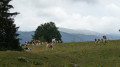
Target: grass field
pixel 80 54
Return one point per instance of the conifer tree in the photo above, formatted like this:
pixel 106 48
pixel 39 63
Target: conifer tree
pixel 8 35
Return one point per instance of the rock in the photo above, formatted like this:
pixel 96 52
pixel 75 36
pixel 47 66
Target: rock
pixel 23 59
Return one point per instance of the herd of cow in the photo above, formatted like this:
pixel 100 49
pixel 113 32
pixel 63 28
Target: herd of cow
pixel 97 41
pixel 54 41
pixel 37 42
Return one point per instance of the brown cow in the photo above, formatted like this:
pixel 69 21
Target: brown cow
pixel 49 46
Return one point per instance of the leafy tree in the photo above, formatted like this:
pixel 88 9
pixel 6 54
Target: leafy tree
pixel 46 32
pixel 8 35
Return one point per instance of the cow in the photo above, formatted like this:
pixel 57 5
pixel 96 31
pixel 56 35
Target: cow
pixel 97 41
pixel 28 49
pixel 54 40
pixel 101 40
pixel 104 39
pixel 49 46
pixel 59 41
pixel 27 43
pixel 35 42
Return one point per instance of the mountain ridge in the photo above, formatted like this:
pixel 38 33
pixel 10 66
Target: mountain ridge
pixel 78 31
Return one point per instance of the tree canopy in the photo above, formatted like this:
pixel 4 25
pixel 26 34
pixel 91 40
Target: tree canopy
pixel 46 32
pixel 8 35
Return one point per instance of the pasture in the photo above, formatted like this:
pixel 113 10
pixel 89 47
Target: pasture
pixel 74 54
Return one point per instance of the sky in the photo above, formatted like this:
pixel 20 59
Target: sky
pixel 102 16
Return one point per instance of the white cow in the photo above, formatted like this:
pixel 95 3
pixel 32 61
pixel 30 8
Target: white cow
pixel 101 40
pixel 97 41
pixel 54 40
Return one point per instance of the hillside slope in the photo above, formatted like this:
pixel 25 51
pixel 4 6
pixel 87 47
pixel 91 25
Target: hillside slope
pixel 80 54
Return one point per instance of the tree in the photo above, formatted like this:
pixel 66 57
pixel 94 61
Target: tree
pixel 46 32
pixel 8 35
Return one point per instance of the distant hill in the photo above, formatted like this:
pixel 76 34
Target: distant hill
pixel 25 36
pixel 86 35
pixel 85 32
pixel 69 35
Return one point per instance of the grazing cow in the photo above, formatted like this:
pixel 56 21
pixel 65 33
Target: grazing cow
pixel 28 49
pixel 42 43
pixel 59 41
pixel 97 41
pixel 104 39
pixel 101 40
pixel 54 40
pixel 27 43
pixel 49 46
pixel 37 42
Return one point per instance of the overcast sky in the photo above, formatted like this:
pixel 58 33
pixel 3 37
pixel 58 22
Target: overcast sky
pixel 96 15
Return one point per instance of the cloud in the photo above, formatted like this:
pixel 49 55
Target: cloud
pixel 113 7
pixel 87 1
pixel 103 25
pixel 102 17
pixel 55 13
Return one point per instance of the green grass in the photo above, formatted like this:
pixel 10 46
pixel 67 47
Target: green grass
pixel 83 54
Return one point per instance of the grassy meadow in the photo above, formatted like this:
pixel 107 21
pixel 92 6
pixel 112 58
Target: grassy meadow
pixel 74 54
